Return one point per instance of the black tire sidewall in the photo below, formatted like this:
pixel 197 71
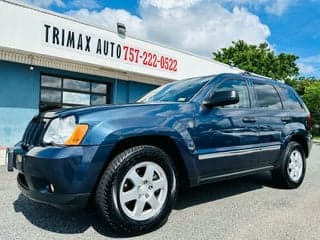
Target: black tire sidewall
pixel 151 154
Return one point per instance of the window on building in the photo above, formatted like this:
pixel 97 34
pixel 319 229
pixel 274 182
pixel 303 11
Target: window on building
pixel 241 87
pixel 59 92
pixel 267 96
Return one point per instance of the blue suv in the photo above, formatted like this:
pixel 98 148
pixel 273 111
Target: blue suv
pixel 129 160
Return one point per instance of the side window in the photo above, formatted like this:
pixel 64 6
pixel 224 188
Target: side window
pixel 267 96
pixel 290 100
pixel 241 87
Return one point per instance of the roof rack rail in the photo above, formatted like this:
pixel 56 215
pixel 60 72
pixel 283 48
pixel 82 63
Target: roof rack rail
pixel 257 75
pixel 247 73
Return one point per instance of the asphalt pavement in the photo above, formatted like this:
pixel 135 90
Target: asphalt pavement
pixel 246 208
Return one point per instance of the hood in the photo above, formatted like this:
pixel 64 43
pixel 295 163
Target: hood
pixel 63 112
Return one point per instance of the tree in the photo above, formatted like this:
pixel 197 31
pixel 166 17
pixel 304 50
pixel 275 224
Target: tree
pixel 301 83
pixel 259 59
pixel 311 97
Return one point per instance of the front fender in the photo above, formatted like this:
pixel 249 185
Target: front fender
pixel 172 121
pixel 181 137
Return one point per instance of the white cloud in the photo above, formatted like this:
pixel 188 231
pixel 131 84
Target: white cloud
pixel 306 68
pixel 46 3
pixel 250 3
pixel 310 65
pixel 200 26
pixel 278 7
pixel 169 3
pixel 274 7
pixel 88 4
pixel 311 59
pixel 108 18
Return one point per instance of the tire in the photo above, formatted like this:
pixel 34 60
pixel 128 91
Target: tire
pixel 292 168
pixel 127 173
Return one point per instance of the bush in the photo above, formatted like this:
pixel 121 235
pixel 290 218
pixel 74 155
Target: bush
pixel 316 124
pixel 309 90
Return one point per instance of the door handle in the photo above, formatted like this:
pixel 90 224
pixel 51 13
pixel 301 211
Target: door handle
pixel 286 119
pixel 249 119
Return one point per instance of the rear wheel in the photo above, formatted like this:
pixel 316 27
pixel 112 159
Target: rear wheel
pixel 291 172
pixel 137 191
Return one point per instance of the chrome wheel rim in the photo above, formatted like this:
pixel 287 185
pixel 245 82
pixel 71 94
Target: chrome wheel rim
pixel 295 166
pixel 143 191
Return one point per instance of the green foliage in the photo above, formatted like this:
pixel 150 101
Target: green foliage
pixel 301 83
pixel 312 96
pixel 259 59
pixel 309 89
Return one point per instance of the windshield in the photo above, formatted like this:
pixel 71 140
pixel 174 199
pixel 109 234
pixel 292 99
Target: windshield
pixel 179 91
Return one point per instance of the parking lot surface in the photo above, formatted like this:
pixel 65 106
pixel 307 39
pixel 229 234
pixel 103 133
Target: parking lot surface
pixel 247 208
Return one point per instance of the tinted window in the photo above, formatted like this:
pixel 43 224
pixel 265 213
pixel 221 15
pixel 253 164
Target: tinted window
pixel 267 96
pixel 98 99
pixel 76 85
pixel 99 88
pixel 290 100
pixel 76 98
pixel 50 81
pixel 241 87
pixel 64 92
pixel 49 95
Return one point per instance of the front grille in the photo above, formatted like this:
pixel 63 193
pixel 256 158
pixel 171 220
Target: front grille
pixel 34 132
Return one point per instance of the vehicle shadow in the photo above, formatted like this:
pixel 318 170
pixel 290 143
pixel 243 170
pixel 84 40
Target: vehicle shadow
pixel 189 197
pixel 55 220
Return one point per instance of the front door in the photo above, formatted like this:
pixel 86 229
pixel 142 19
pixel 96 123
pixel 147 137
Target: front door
pixel 227 137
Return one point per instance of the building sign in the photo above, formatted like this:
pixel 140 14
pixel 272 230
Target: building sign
pixel 43 33
pixel 54 36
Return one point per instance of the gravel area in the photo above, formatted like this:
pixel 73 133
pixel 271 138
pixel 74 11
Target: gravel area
pixel 247 208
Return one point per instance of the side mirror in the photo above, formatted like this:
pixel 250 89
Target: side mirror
pixel 222 98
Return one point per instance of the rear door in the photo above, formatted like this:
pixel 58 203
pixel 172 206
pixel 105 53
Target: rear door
pixel 227 137
pixel 271 119
pixel 295 115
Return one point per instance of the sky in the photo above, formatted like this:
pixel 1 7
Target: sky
pixel 205 26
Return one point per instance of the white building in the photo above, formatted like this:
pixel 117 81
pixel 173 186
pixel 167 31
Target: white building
pixel 48 59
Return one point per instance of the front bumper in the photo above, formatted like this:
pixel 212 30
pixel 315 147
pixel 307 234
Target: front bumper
pixel 9 159
pixel 62 201
pixel 63 177
pixel 309 145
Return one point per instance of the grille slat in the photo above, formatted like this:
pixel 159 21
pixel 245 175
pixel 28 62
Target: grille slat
pixel 27 131
pixel 34 132
pixel 32 128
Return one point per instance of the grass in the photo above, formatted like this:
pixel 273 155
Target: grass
pixel 316 138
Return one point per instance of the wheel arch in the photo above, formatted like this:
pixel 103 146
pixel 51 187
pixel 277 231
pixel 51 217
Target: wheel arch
pixel 165 143
pixel 302 140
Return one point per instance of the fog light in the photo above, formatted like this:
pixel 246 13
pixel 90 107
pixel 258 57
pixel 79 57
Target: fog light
pixel 51 188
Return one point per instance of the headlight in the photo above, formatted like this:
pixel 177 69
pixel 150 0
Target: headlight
pixel 65 131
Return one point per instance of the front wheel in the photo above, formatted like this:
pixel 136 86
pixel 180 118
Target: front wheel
pixel 138 189
pixel 291 172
